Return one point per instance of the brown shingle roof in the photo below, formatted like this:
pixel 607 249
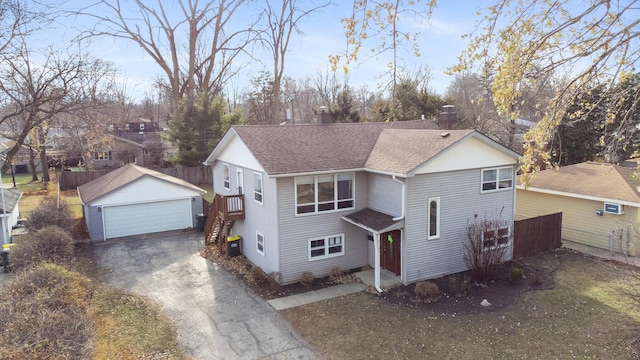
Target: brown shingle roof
pixel 401 151
pixel 122 176
pixel 372 219
pixel 288 149
pixel 591 179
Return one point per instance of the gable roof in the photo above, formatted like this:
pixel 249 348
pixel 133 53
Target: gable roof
pixel 400 151
pixel 122 176
pixel 590 179
pixel 291 149
pixel 11 198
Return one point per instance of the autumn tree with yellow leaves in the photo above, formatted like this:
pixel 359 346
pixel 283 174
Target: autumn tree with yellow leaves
pixel 578 46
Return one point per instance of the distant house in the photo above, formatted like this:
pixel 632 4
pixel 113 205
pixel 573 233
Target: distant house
pixel 396 196
pixel 599 204
pixel 133 200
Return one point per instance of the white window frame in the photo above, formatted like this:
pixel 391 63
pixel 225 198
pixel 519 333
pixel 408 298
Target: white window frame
pixel 326 247
pixel 226 176
pixel 497 180
pixel 498 245
pixel 437 235
pixel 336 201
pixel 258 192
pixel 260 236
pixel 141 126
pixel 102 155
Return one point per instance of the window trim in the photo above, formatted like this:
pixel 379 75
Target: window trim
pixel 257 175
pixel 336 201
pixel 106 155
pixel 326 247
pixel 437 235
pixel 258 243
pixel 498 245
pixel 226 176
pixel 497 180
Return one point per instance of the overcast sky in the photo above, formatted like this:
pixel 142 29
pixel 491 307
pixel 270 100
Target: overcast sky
pixel 440 43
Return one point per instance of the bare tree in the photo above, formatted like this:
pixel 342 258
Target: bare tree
pixel 35 93
pixel 200 62
pixel 281 24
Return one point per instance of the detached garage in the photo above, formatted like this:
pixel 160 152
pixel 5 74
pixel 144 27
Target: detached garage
pixel 133 200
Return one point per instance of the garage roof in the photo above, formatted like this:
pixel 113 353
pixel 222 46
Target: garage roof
pixel 122 176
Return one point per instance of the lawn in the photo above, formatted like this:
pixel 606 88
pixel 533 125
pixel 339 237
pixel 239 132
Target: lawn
pixel 587 315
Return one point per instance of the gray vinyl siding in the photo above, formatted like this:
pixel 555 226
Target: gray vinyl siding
pixel 261 218
pixel 460 201
pixel 294 232
pixel 94 222
pixel 385 194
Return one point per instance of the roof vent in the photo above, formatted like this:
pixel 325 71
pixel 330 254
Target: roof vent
pixel 444 134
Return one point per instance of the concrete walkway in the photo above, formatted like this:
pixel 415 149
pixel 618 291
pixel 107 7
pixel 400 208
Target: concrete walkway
pixel 316 295
pixel 601 253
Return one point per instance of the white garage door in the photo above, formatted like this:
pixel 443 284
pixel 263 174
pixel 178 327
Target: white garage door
pixel 147 218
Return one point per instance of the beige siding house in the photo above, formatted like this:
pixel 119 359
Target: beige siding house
pixel 599 204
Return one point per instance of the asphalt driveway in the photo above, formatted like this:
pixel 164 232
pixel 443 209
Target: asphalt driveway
pixel 215 315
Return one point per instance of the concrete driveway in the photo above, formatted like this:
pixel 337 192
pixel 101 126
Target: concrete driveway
pixel 216 316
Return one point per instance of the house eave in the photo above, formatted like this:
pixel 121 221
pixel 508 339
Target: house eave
pixel 309 173
pixel 578 196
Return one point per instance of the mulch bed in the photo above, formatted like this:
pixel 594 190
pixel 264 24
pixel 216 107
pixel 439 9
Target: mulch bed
pixel 458 295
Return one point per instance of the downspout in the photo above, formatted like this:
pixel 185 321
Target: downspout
pixel 376 267
pixel 404 197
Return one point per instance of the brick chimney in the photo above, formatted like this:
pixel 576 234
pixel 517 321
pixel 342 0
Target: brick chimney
pixel 323 116
pixel 447 119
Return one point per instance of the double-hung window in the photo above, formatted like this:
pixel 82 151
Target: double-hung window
pixel 226 182
pixel 257 187
pixel 324 247
pixel 102 155
pixel 496 237
pixel 260 243
pixel 324 193
pixel 497 179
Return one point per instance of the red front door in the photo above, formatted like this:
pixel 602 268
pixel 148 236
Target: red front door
pixel 390 251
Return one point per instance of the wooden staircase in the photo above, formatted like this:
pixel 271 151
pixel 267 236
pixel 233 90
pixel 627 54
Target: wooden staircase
pixel 224 211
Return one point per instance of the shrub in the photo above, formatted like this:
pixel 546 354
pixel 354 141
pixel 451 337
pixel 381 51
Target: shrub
pixel 43 316
pixel 485 247
pixel 48 213
pixel 79 231
pixel 427 291
pixel 516 275
pixel 50 244
pixel 307 279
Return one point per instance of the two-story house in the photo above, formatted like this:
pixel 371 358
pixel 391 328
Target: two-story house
pixel 397 196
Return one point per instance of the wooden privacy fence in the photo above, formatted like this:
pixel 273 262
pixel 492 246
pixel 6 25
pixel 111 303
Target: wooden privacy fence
pixel 536 235
pixel 195 175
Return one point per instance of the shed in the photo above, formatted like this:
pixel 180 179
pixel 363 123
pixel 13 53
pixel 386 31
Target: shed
pixel 134 200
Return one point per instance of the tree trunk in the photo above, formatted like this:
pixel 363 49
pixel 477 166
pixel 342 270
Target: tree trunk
pixel 32 163
pixel 43 156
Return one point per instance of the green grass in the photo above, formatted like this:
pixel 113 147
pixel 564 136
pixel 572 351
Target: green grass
pixel 588 315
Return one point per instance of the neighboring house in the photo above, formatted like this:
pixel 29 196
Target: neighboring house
pixel 133 200
pixel 9 199
pixel 121 151
pixel 599 203
pixel 396 196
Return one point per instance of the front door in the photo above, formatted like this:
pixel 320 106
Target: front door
pixel 390 251
pixel 240 182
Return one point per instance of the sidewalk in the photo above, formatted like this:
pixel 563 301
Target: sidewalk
pixel 316 295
